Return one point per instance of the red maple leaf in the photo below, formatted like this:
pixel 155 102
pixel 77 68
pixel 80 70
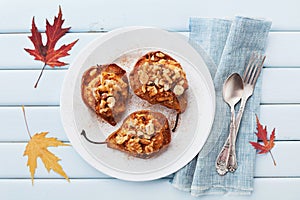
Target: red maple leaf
pixel 262 135
pixel 47 53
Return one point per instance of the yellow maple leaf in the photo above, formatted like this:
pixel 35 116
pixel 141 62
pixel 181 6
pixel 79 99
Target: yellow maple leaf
pixel 37 148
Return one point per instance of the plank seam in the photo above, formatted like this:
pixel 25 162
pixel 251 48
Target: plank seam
pixel 107 30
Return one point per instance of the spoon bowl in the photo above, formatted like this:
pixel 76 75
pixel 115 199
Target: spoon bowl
pixel 233 89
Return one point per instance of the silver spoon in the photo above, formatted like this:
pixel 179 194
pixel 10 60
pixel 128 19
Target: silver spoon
pixel 232 93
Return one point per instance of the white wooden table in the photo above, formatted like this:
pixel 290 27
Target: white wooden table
pixel 280 104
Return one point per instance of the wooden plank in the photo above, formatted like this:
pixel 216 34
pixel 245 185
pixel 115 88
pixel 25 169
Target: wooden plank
pixel 15 43
pixel 280 188
pixel 14 164
pixel 279 86
pixel 18 87
pixel 285 118
pixel 286 157
pixel 282 49
pixel 39 119
pixel 76 167
pixel 269 188
pixel 16 15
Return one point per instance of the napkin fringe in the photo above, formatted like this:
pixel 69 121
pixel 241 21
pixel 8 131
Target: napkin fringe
pixel 235 193
pixel 203 191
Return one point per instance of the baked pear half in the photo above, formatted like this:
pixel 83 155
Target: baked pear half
pixel 105 89
pixel 160 79
pixel 143 134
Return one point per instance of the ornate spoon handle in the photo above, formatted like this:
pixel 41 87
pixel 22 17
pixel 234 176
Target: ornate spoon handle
pixel 232 163
pixel 224 155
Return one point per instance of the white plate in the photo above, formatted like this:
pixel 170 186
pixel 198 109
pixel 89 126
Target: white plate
pixel 124 46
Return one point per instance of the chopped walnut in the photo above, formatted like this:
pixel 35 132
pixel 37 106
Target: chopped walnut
pixel 160 54
pixel 133 145
pixel 178 90
pixel 162 75
pixel 143 77
pixel 145 141
pixel 121 139
pixel 111 101
pixel 150 128
pixel 93 72
pixel 144 89
pixel 152 90
pixel 166 87
pixel 149 148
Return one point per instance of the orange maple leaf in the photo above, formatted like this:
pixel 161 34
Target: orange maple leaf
pixel 37 148
pixel 262 135
pixel 47 53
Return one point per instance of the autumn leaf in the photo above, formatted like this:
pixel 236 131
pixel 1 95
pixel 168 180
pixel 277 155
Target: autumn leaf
pixel 262 135
pixel 37 148
pixel 47 53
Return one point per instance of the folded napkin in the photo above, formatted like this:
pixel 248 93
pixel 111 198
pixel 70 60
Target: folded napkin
pixel 226 46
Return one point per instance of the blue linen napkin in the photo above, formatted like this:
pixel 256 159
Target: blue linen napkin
pixel 226 46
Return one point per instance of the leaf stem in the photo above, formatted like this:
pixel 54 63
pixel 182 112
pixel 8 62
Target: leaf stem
pixel 24 114
pixel 272 158
pixel 40 76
